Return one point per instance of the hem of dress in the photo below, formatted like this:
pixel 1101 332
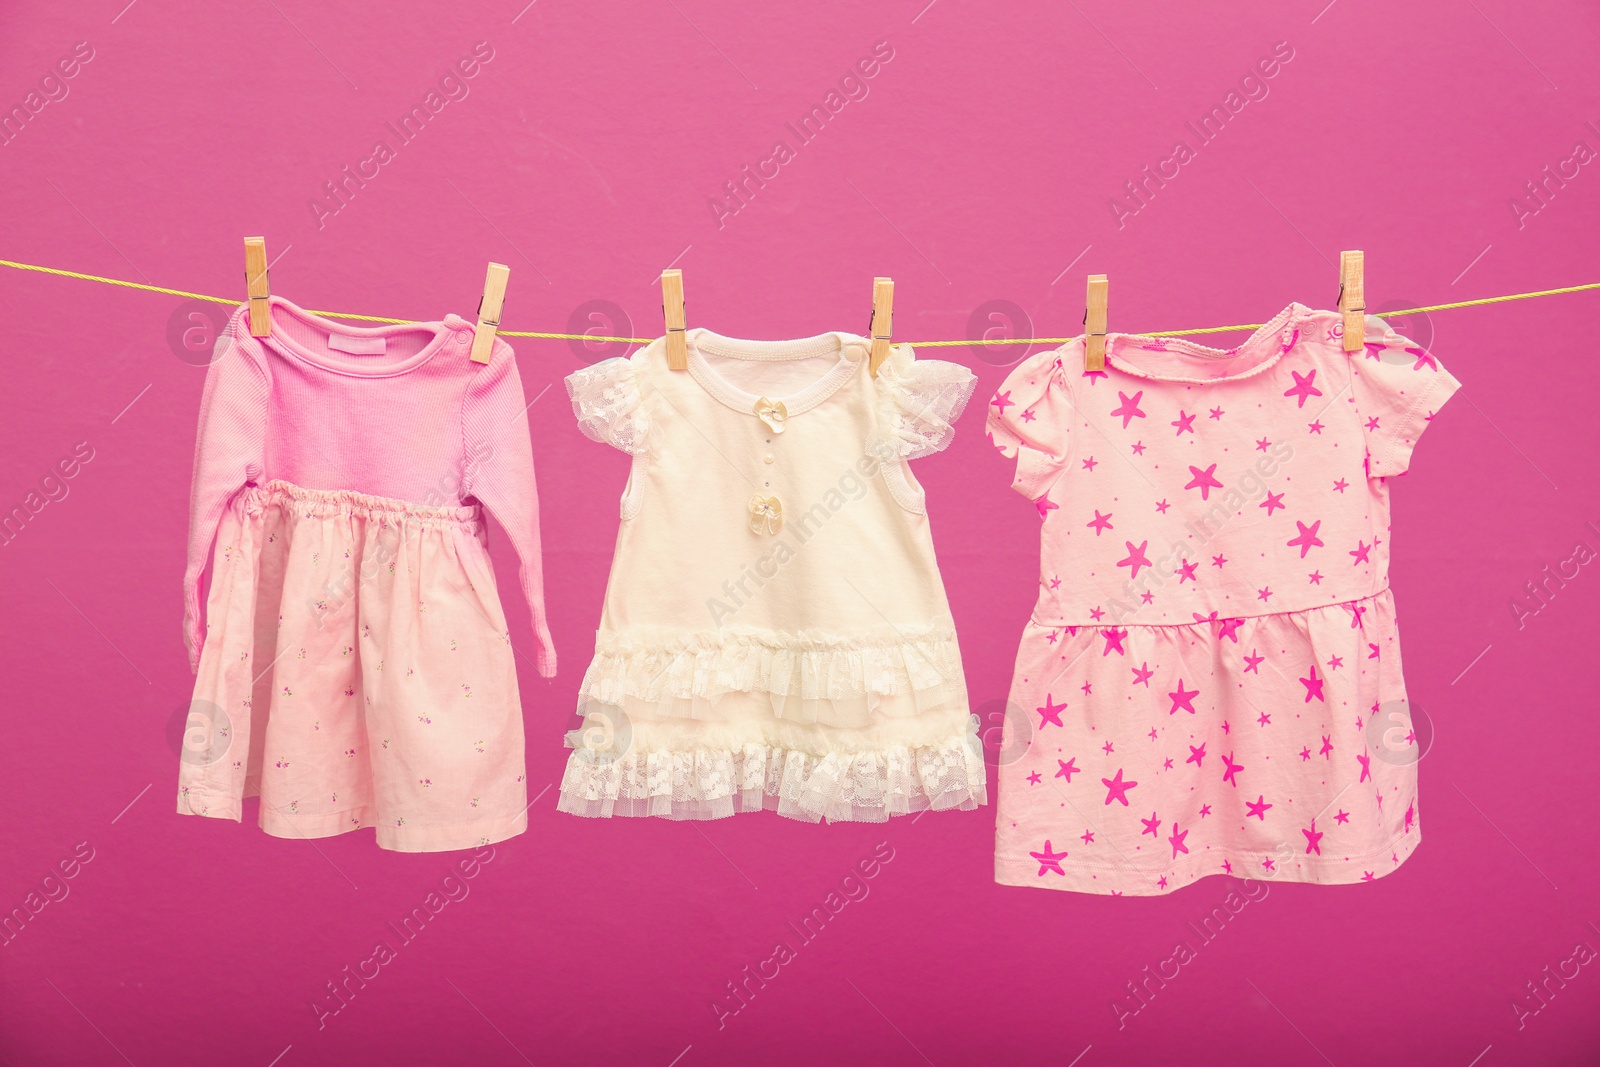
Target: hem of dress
pixel 445 837
pixel 748 802
pixel 808 787
pixel 1146 882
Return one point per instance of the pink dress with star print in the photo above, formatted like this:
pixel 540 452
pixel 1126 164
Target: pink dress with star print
pixel 1210 682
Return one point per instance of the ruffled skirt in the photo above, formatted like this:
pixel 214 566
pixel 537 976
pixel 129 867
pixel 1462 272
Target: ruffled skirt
pixel 704 726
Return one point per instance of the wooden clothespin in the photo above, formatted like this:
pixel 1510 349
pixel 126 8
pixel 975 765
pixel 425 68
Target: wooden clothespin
pixel 1353 298
pixel 493 300
pixel 881 328
pixel 255 280
pixel 672 310
pixel 1094 324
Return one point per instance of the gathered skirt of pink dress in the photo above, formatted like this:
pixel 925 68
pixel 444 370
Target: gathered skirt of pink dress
pixel 356 672
pixel 1263 747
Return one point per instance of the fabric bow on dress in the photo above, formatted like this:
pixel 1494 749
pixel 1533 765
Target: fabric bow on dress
pixel 766 514
pixel 771 412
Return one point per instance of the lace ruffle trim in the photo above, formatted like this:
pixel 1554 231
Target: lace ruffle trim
pixel 838 787
pixel 811 668
pixel 609 405
pixel 919 403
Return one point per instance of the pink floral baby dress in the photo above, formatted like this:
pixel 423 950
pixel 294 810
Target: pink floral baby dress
pixel 353 663
pixel 1210 682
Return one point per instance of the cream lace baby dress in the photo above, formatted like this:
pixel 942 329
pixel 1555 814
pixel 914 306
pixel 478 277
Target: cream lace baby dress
pixel 775 631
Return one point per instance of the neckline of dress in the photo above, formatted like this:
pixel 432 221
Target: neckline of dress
pixel 700 341
pixel 440 333
pixel 1266 346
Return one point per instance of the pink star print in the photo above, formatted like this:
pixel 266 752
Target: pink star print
pixel 1313 837
pixel 1360 553
pixel 1204 480
pixel 1366 767
pixel 1340 486
pixel 1051 712
pixel 1049 860
pixel 1273 501
pixel 1176 841
pixel 1263 444
pixel 1138 448
pixel 1303 388
pixel 1136 558
pixel 1045 506
pixel 1230 769
pixel 1313 685
pixel 1101 522
pixel 1151 825
pixel 1089 463
pixel 1002 400
pixel 1130 407
pixel 1258 807
pixel 1229 628
pixel 1217 413
pixel 1411 816
pixel 1113 641
pixel 1141 675
pixel 1184 422
pixel 1088 837
pixel 1117 789
pixel 1197 756
pixel 1068 769
pixel 1035 778
pixel 1326 751
pixel 1182 699
pixel 1252 662
pixel 1307 538
pixel 1186 572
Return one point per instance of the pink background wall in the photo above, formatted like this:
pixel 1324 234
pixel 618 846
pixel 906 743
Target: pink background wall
pixel 979 166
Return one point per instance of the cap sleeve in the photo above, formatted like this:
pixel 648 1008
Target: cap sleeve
pixel 920 401
pixel 609 405
pixel 1029 421
pixel 1397 386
